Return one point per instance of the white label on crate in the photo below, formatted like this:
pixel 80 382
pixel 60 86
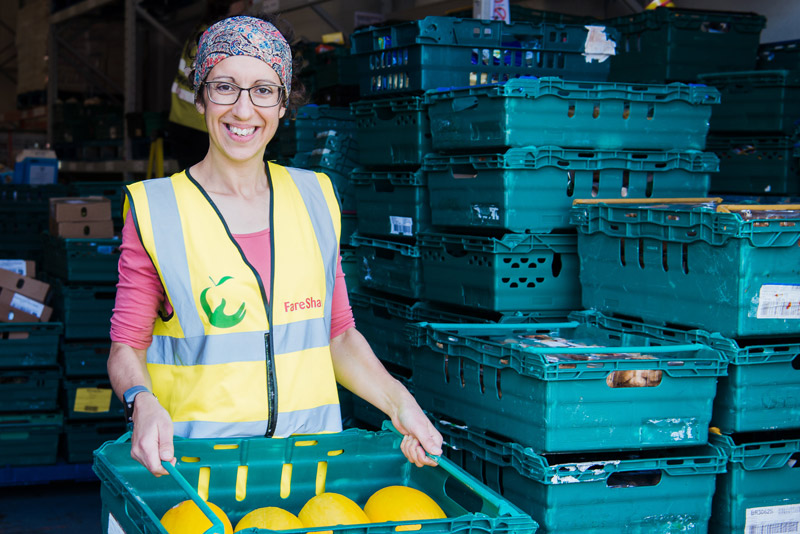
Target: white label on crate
pixel 401 225
pixel 598 46
pixel 27 305
pixel 778 302
pixel 773 519
pixel 42 175
pixel 113 525
pixel 15 266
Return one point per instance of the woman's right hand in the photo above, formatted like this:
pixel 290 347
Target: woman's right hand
pixel 152 434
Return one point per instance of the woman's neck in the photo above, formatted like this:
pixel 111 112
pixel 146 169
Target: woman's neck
pixel 244 179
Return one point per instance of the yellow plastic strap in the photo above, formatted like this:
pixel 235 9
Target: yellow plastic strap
pixel 645 200
pixel 727 208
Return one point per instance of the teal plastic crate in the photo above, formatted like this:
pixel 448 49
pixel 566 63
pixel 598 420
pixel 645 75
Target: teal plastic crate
pixel 531 189
pixel 349 227
pixel 391 203
pixel 389 266
pixel 718 267
pixel 756 101
pixel 665 491
pixel 760 491
pixel 29 344
pixel 85 309
pixel 354 463
pixel 570 386
pixel 552 111
pixel 29 389
pixel 299 133
pixel 671 44
pixel 433 52
pixel 81 439
pixel 755 165
pixel 392 131
pixel 33 201
pixel 90 398
pixel 82 260
pixel 84 358
pixel 779 55
pixel 759 392
pixel 515 272
pixel 349 267
pixel 29 439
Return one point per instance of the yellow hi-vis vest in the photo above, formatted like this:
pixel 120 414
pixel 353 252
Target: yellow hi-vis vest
pixel 229 362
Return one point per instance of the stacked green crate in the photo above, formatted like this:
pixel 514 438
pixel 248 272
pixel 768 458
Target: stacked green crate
pixel 24 215
pixel 751 132
pixel 30 423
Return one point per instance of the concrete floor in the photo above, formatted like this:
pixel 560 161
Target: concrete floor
pixel 54 508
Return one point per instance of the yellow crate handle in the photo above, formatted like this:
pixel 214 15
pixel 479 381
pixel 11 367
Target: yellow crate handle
pixel 727 208
pixel 645 200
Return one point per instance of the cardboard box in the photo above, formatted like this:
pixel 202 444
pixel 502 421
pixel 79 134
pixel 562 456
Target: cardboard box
pixel 16 308
pixel 83 230
pixel 23 267
pixel 24 285
pixel 74 209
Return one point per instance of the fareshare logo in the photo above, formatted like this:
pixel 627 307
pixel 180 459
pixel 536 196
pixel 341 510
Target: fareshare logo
pixel 218 317
pixel 306 304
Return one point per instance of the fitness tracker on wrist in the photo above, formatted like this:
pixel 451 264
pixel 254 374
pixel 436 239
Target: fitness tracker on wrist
pixel 130 397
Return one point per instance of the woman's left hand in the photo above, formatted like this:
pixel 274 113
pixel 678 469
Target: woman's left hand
pixel 419 435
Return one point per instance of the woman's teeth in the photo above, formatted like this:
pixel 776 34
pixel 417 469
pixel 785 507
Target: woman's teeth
pixel 241 131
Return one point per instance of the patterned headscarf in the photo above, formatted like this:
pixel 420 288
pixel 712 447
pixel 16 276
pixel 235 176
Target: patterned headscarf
pixel 243 36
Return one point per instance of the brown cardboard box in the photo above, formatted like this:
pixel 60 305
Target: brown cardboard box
pixel 23 267
pixel 16 308
pixel 88 229
pixel 24 285
pixel 73 209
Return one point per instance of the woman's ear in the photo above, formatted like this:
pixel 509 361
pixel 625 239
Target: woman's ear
pixel 283 112
pixel 201 109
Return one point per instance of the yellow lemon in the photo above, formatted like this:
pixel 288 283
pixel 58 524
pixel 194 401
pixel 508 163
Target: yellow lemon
pixel 331 509
pixel 187 518
pixel 401 503
pixel 270 517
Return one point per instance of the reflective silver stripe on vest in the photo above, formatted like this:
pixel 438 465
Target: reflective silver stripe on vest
pixel 301 335
pixel 208 350
pixel 326 418
pixel 171 253
pixel 210 429
pixel 317 207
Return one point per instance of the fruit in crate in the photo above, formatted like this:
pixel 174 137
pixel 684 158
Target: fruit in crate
pixel 187 518
pixel 331 509
pixel 270 517
pixel 401 503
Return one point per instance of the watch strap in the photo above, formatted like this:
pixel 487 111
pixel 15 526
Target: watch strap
pixel 129 397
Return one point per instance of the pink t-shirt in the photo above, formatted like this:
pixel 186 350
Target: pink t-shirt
pixel 140 292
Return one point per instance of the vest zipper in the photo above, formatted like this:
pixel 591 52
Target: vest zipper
pixel 272 387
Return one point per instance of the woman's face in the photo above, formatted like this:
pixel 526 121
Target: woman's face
pixel 240 132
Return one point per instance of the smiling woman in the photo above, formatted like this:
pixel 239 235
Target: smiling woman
pixel 231 316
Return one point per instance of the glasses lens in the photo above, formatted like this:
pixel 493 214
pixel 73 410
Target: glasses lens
pixel 222 93
pixel 266 95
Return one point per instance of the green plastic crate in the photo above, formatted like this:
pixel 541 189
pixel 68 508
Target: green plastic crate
pixel 525 190
pixel 349 267
pixel 81 260
pixel 515 272
pixel 85 358
pixel 82 438
pixel 722 268
pixel 570 386
pixel 756 101
pixel 779 55
pixel 664 491
pixel 552 111
pixel 755 165
pixel 85 309
pixel 30 200
pixel 356 464
pixel 29 439
pixel 760 491
pixel 29 389
pixel 392 131
pixel 349 227
pixel 389 266
pixel 433 52
pixel 759 392
pixel 299 133
pixel 90 398
pixel 391 203
pixel 29 344
pixel 670 44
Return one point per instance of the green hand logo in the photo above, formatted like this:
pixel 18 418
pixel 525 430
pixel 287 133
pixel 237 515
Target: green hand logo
pixel 218 317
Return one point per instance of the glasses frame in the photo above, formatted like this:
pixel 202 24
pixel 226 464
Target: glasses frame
pixel 246 89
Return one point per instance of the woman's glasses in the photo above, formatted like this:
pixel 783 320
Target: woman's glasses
pixel 227 93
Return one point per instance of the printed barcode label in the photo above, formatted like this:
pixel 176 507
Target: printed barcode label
pixel 15 266
pixel 401 225
pixel 28 305
pixel 773 519
pixel 778 302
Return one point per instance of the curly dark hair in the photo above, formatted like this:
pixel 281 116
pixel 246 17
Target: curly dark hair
pixel 298 96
